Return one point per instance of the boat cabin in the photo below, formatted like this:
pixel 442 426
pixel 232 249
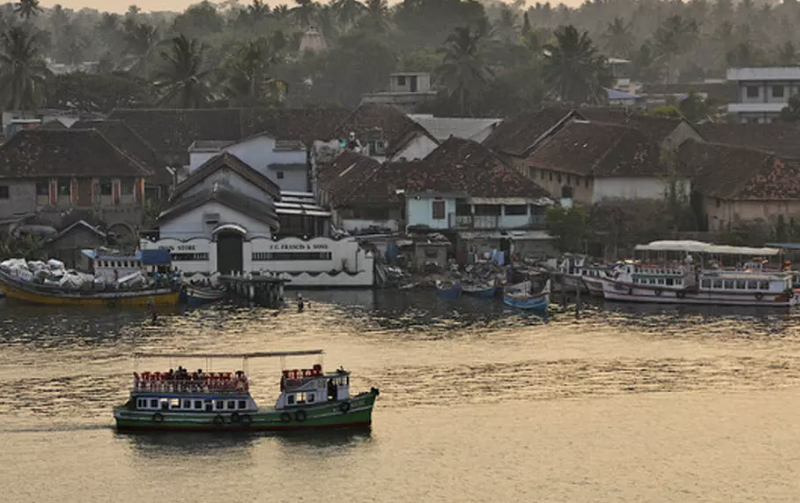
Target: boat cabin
pixel 195 391
pixel 308 386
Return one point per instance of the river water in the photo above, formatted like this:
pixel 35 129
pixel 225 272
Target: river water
pixel 624 403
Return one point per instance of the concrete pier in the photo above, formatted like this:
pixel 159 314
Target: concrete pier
pixel 265 290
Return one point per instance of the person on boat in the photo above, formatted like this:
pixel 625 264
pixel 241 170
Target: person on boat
pixel 171 374
pixel 300 303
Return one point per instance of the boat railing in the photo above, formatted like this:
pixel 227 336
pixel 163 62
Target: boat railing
pixel 223 382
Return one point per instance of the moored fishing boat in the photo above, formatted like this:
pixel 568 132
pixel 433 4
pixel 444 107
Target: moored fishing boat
pixel 195 296
pixel 221 401
pixel 449 290
pixel 520 296
pixel 485 290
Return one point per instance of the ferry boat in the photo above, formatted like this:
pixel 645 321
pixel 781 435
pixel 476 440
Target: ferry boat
pixel 677 279
pixel 221 401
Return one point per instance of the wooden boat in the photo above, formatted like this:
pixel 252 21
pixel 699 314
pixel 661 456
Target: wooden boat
pixel 519 296
pixel 197 296
pixel 449 290
pixel 484 290
pixel 221 401
pixel 56 296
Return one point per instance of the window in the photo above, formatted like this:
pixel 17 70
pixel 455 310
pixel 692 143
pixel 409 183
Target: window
pixel 290 400
pixel 541 174
pixel 438 210
pixel 219 405
pixel 280 175
pixel 586 183
pixel 231 404
pixel 730 284
pixel 706 283
pixel 3 191
pixel 242 404
pixel 105 188
pixel 126 187
pixel 517 209
pixel 670 281
pixel 741 284
pixel 187 404
pixel 559 178
pixel 174 403
pixel 198 405
pixel 752 285
pixel 63 186
pixel 763 285
pixel 752 91
pixel 141 403
pixel 551 176
pixel 718 284
pixel 310 398
pixel 42 188
pixel 301 398
pixel 431 253
pixel 401 80
pixel 153 403
pixel 569 180
pixel 777 91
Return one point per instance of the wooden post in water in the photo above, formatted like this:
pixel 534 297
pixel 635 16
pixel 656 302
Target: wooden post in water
pixel 578 300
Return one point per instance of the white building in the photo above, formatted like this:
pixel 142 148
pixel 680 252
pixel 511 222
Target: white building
pixel 763 92
pixel 407 91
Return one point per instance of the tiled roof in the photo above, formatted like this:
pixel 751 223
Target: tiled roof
pixel 171 132
pixel 443 128
pixel 259 210
pixel 738 173
pixel 229 161
pixel 518 135
pixel 52 152
pixel 781 138
pixel 658 128
pixel 600 150
pixel 375 121
pixel 130 142
pixel 341 179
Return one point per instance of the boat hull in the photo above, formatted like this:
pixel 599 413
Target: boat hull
pixel 326 415
pixel 594 286
pixel 538 303
pixel 486 293
pixel 161 297
pixel 629 293
pixel 453 292
pixel 196 297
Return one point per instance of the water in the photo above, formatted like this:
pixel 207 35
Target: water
pixel 626 403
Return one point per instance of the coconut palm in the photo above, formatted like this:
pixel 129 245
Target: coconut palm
pixel 506 24
pixel 281 12
pixel 573 67
pixel 618 38
pixel 257 11
pixel 786 54
pixel 23 72
pixel 248 82
pixel 141 41
pixel 463 71
pixel 26 9
pixel 181 78
pixel 376 16
pixel 347 11
pixel 673 38
pixel 304 13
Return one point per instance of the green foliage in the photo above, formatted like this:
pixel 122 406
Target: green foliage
pixel 574 69
pixel 570 227
pixel 27 246
pixel 182 79
pixel 694 108
pixel 99 92
pixel 463 71
pixel 23 73
pixel 791 112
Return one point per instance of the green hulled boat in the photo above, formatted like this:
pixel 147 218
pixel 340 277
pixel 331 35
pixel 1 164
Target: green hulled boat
pixel 221 401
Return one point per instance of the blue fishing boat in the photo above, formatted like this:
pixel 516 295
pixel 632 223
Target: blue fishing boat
pixel 449 290
pixel 519 296
pixel 485 290
pixel 194 296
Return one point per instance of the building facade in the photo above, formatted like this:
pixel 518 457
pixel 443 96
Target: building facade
pixel 762 92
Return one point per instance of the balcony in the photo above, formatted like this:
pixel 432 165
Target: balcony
pixel 495 222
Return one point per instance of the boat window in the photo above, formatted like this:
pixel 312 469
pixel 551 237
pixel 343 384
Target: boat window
pixel 718 283
pixel 741 284
pixel 730 284
pixel 242 404
pixel 198 404
pixel 220 405
pixel 154 403
pixel 763 285
pixel 706 283
pixel 290 400
pixel 301 398
pixel 187 404
pixel 670 281
pixel 141 403
pixel 231 404
pixel 660 281
pixel 175 403
pixel 752 285
pixel 310 398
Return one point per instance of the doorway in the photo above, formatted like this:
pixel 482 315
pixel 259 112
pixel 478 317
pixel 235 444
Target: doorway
pixel 229 252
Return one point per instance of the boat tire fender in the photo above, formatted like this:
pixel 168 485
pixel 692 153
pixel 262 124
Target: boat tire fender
pixel 759 295
pixel 285 417
pixel 344 407
pixel 246 420
pixel 235 417
pixel 680 295
pixel 300 416
pixel 219 420
pixel 158 418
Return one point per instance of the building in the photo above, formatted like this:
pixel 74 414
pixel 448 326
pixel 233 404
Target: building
pixel 617 98
pixel 741 184
pixel 762 92
pixel 779 138
pixel 407 91
pixel 50 173
pixel 312 41
pixel 443 128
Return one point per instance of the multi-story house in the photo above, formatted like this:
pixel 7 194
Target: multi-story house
pixel 762 92
pixel 407 91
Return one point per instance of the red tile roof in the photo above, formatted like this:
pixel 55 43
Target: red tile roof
pixel 229 161
pixel 781 138
pixel 518 135
pixel 375 121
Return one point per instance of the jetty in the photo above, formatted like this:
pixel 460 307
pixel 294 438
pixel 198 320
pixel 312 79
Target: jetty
pixel 265 289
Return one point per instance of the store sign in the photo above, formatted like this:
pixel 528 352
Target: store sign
pixel 297 247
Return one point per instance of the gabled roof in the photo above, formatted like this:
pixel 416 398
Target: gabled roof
pixel 658 128
pixel 375 121
pixel 738 173
pixel 130 142
pixel 599 150
pixel 781 138
pixel 172 131
pixel 52 152
pixel 443 128
pixel 259 210
pixel 342 178
pixel 520 134
pixel 226 160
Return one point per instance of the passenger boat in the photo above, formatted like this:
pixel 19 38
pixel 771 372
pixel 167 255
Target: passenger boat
pixel 520 296
pixel 593 277
pixel 448 290
pixel 221 401
pixel 677 279
pixel 195 296
pixel 486 290
pixel 34 293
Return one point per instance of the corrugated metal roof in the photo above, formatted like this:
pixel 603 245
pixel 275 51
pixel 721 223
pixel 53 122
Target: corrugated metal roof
pixel 766 73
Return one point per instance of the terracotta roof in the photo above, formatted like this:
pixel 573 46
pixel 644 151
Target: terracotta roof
pixel 259 210
pixel 781 138
pixel 600 150
pixel 375 121
pixel 52 152
pixel 517 136
pixel 658 128
pixel 229 161
pixel 739 173
pixel 171 132
pixel 341 178
pixel 130 142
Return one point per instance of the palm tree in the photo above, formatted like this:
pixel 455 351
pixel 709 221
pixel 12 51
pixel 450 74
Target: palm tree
pixel 257 11
pixel 673 38
pixel 23 72
pixel 574 68
pixel 281 12
pixel 347 11
pixel 618 38
pixel 506 24
pixel 181 77
pixel 304 13
pixel 463 71
pixel 27 9
pixel 141 41
pixel 376 16
pixel 248 82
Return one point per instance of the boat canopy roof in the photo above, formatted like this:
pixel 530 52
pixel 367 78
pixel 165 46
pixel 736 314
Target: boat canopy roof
pixel 700 247
pixel 270 354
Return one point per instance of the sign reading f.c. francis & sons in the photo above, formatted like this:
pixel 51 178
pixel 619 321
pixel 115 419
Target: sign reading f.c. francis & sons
pixel 297 246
